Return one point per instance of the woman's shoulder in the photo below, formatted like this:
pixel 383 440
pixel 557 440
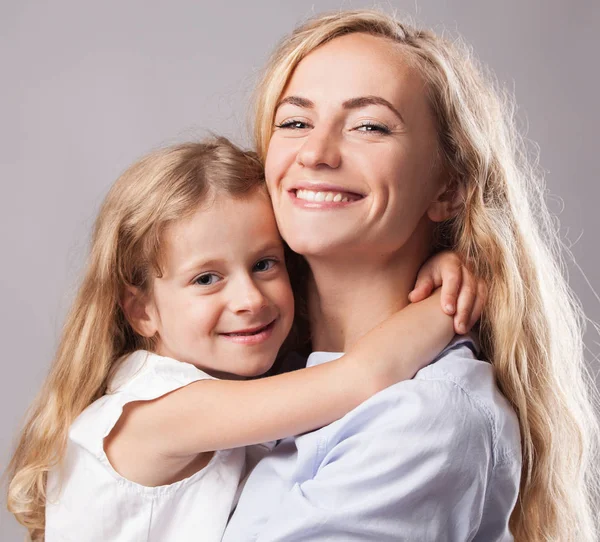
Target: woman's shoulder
pixel 460 366
pixel 465 383
pixel 455 397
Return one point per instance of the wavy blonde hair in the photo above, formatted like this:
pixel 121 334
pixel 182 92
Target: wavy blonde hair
pixel 532 325
pixel 163 187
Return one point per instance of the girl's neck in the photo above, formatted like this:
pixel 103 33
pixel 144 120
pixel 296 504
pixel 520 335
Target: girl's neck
pixel 347 299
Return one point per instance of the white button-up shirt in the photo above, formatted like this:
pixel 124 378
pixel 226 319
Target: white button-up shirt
pixel 435 458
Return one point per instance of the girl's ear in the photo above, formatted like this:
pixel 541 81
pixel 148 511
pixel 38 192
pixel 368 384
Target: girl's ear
pixel 139 312
pixel 448 203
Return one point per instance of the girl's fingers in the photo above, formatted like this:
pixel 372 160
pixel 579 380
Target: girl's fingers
pixel 452 278
pixel 465 303
pixel 479 303
pixel 422 289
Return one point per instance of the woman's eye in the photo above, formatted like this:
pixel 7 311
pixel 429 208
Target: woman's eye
pixel 208 279
pixel 373 127
pixel 265 265
pixel 293 125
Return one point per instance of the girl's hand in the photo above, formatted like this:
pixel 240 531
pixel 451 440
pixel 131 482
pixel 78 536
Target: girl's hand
pixel 463 294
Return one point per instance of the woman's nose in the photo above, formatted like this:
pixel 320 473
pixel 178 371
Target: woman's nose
pixel 320 148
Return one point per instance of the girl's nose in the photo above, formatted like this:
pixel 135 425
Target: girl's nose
pixel 320 148
pixel 247 297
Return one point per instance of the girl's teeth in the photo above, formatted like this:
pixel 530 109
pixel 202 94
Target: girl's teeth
pixel 309 195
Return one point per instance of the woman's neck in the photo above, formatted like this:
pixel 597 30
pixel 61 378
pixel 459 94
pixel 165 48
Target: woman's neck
pixel 347 299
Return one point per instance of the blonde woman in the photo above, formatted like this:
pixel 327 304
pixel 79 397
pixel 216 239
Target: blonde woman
pixel 491 442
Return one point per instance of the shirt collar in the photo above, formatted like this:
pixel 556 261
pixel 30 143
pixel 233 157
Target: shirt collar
pixel 470 340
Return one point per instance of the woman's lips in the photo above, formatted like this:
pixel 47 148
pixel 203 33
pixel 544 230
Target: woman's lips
pixel 323 198
pixel 252 336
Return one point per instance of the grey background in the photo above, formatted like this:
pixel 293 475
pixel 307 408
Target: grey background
pixel 86 88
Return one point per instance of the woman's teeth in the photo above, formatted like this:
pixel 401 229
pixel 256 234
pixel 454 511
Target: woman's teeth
pixel 310 195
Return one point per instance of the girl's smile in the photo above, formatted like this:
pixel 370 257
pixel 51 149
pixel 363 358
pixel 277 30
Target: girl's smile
pixel 251 336
pixel 223 302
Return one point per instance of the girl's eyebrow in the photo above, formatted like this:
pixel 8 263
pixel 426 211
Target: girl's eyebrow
pixel 208 262
pixel 352 103
pixel 199 263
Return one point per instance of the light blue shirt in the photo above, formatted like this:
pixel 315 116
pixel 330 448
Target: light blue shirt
pixel 435 458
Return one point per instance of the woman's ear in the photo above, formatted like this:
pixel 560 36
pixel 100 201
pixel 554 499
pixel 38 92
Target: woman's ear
pixel 139 312
pixel 448 203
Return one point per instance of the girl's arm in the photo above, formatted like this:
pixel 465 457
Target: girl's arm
pixel 221 414
pixel 212 415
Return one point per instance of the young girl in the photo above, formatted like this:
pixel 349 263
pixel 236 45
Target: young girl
pixel 138 432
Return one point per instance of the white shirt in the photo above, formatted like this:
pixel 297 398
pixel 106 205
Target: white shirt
pixel 432 459
pixel 93 503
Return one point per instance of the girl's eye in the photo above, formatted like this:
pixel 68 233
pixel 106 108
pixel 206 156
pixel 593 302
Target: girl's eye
pixel 292 125
pixel 208 279
pixel 373 127
pixel 265 265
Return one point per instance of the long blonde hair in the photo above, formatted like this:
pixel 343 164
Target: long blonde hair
pixel 165 186
pixel 532 325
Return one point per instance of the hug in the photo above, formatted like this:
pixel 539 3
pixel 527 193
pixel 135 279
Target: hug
pixel 387 232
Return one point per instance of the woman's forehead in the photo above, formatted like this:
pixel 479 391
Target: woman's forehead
pixel 358 65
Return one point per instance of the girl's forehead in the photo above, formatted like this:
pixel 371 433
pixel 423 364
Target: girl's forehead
pixel 226 227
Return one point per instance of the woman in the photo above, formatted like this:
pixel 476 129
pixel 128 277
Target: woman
pixel 402 125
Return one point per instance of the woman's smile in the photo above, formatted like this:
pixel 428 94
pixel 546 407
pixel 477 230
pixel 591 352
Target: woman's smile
pixel 323 196
pixel 355 146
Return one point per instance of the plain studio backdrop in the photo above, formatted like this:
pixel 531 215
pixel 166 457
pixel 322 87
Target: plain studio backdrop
pixel 88 87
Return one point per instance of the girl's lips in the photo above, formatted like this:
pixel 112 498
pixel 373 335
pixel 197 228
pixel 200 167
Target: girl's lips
pixel 251 337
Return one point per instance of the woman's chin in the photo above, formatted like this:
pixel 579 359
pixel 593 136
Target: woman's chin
pixel 320 247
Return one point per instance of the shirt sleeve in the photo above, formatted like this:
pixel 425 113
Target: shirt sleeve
pixel 412 465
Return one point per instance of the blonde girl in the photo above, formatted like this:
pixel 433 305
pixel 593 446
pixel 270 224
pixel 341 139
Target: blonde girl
pixel 137 432
pixel 395 116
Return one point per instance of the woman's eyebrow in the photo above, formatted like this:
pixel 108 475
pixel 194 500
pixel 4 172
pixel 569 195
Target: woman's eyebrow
pixel 352 103
pixel 296 100
pixel 362 101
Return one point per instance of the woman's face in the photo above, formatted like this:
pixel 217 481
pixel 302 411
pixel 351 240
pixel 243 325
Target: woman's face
pixel 352 164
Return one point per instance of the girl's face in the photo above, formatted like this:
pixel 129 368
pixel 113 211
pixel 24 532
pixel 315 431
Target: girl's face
pixel 224 302
pixel 352 163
